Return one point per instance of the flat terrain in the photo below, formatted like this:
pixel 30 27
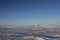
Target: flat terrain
pixel 18 33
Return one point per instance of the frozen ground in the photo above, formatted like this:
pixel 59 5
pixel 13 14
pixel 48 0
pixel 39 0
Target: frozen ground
pixel 29 33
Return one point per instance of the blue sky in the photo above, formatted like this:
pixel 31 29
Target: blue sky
pixel 29 12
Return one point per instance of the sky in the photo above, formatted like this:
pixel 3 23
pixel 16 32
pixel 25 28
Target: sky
pixel 29 12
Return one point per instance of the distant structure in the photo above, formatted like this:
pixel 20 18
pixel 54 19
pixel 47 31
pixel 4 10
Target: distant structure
pixel 38 25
